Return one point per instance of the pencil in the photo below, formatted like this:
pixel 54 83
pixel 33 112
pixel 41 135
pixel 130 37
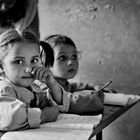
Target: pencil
pixel 105 85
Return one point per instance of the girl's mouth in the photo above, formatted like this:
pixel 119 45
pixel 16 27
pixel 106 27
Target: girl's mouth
pixel 27 77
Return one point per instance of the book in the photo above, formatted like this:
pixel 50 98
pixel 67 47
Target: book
pixel 120 99
pixel 73 121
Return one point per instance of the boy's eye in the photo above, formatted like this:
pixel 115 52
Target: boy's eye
pixel 62 58
pixel 74 57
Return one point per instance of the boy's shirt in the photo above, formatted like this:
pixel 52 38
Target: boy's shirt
pixel 21 107
pixel 82 101
pixel 73 87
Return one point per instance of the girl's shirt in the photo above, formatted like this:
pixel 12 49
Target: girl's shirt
pixel 21 107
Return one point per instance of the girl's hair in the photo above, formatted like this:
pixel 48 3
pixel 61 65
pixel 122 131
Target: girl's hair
pixel 49 54
pixel 12 36
pixel 58 40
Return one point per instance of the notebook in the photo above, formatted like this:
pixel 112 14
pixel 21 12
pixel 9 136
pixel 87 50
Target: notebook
pixel 120 99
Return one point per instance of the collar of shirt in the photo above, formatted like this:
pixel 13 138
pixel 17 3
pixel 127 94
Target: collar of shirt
pixel 64 83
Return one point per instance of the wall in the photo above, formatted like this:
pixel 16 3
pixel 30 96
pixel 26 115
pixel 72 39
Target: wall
pixel 107 31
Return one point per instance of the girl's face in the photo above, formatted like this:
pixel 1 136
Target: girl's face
pixel 5 5
pixel 18 63
pixel 65 62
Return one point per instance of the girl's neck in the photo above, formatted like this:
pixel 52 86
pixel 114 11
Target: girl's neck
pixel 61 79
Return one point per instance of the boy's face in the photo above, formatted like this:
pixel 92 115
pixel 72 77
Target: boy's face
pixel 20 60
pixel 65 62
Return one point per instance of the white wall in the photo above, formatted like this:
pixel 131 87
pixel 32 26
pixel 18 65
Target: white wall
pixel 108 33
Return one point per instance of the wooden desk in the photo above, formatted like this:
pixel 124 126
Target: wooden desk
pixel 110 114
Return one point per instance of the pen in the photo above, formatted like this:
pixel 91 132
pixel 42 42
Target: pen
pixel 105 85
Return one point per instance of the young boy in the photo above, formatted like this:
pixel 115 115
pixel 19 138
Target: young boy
pixel 65 67
pixel 84 98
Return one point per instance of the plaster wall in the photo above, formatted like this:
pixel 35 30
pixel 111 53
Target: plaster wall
pixel 108 33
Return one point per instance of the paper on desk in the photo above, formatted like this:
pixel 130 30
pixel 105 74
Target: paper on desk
pixel 120 99
pixel 72 121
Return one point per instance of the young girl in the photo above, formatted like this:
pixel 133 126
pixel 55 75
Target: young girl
pixel 22 103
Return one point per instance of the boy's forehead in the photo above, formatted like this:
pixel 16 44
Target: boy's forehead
pixel 65 49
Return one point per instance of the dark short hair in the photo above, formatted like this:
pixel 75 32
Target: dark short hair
pixel 58 40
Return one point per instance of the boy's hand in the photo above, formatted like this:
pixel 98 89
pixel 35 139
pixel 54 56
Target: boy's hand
pixel 49 114
pixel 43 74
pixel 99 94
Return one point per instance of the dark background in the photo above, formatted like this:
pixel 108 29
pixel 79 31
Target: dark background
pixel 108 33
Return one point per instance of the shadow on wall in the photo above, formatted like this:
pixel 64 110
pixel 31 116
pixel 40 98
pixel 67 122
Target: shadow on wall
pixel 107 31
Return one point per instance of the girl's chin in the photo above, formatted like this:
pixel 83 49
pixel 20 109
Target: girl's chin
pixel 27 84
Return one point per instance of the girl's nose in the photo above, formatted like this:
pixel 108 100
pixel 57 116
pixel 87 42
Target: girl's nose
pixel 28 69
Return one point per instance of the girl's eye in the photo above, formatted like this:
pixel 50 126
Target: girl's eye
pixel 74 57
pixel 34 61
pixel 62 58
pixel 18 61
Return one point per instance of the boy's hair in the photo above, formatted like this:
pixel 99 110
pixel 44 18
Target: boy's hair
pixel 12 36
pixel 58 40
pixel 49 54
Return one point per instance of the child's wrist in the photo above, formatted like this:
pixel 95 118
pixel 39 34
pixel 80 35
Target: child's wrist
pixel 51 83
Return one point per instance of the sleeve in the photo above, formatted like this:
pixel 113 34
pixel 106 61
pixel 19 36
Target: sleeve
pixel 64 107
pixel 81 86
pixel 15 114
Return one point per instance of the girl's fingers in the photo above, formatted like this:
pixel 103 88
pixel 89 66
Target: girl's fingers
pixel 34 69
pixel 41 73
pixel 38 72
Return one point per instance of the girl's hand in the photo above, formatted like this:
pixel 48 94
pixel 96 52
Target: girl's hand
pixel 43 74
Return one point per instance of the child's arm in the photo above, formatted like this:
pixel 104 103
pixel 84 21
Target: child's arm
pixel 86 86
pixel 75 86
pixel 45 75
pixel 15 113
pixel 64 106
pixel 49 114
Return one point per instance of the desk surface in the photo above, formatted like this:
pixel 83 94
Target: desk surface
pixel 111 113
